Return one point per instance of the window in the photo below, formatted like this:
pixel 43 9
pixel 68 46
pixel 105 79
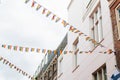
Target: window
pixel 100 74
pixel 75 48
pixel 118 20
pixel 96 24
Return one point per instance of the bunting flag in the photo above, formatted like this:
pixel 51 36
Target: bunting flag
pixel 6 62
pixel 53 17
pixel 57 19
pixel 43 12
pixel 38 50
pixel 15 48
pixel 26 49
pixel 64 23
pixel 21 48
pixel 48 13
pixel 33 3
pixel 38 7
pixel 9 46
pixel 26 1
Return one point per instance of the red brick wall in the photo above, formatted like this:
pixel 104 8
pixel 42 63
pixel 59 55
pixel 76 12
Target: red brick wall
pixel 115 31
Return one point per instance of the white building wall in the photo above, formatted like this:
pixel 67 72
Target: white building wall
pixel 78 16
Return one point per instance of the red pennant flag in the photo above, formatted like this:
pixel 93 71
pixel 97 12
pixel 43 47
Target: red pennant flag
pixel 43 12
pixel 72 29
pixel 33 3
pixel 53 17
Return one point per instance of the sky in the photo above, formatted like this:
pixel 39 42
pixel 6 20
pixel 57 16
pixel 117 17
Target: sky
pixel 24 26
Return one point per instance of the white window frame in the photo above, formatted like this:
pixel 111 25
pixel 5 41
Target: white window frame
pixel 96 28
pixel 118 20
pixel 75 49
pixel 61 65
pixel 100 74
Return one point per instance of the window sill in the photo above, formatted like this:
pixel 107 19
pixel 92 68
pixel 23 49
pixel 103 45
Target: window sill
pixel 97 46
pixel 60 75
pixel 75 68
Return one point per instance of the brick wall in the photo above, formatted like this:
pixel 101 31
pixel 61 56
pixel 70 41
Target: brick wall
pixel 115 31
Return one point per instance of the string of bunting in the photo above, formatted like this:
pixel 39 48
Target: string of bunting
pixel 6 62
pixel 64 23
pixel 38 50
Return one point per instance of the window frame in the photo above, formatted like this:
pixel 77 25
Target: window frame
pixel 118 20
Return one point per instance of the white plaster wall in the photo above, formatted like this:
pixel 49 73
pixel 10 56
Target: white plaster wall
pixel 88 62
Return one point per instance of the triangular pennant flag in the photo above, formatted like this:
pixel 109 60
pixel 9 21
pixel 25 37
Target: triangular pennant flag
pixel 53 17
pixel 9 46
pixel 44 50
pixel 65 52
pixel 55 51
pixel 33 3
pixel 32 49
pixel 80 33
pixel 11 65
pixel 26 1
pixel 87 38
pixel 7 62
pixel 38 7
pixel 4 46
pixel 4 60
pixel 26 49
pixel 1 58
pixel 64 23
pixel 15 48
pixel 38 50
pixel 43 12
pixel 57 19
pixel 49 51
pixel 48 13
pixel 70 51
pixel 21 48
pixel 109 51
pixel 60 52
pixel 15 67
pixel 81 52
pixel 72 29
pixel 77 31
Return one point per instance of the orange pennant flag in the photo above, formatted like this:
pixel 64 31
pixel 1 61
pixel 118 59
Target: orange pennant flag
pixel 72 29
pixel 64 23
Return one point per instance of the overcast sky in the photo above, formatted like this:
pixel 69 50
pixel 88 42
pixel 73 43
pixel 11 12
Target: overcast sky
pixel 24 26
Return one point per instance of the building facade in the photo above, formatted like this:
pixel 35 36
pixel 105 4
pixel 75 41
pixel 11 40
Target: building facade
pixel 48 68
pixel 114 6
pixel 93 18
